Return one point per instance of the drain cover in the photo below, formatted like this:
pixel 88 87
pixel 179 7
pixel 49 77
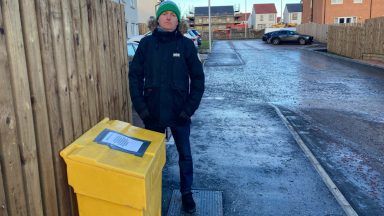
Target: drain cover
pixel 208 203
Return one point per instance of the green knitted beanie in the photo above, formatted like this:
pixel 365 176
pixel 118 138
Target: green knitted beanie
pixel 168 6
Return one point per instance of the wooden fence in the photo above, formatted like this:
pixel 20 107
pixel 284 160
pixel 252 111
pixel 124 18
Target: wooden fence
pixel 318 31
pixel 359 41
pixel 63 68
pixel 345 40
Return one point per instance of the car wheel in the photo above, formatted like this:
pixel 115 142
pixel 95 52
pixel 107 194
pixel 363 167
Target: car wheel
pixel 302 41
pixel 275 41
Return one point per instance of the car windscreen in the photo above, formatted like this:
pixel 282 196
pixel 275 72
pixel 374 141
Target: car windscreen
pixel 131 50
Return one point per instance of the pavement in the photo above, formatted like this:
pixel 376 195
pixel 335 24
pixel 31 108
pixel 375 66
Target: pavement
pixel 242 147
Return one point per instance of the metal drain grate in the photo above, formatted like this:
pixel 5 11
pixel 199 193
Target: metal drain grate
pixel 208 203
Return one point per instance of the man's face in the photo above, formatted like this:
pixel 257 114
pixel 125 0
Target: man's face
pixel 168 21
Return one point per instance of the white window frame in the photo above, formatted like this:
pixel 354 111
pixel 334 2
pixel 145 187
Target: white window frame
pixel 336 1
pixel 261 17
pixel 357 1
pixel 295 16
pixel 271 17
pixel 353 19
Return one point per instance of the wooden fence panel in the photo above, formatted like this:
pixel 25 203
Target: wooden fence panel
pixel 94 54
pixel 111 33
pixel 374 31
pixel 39 107
pixel 53 105
pixel 24 116
pixel 56 18
pixel 57 80
pixel 102 76
pixel 80 64
pixel 3 202
pixel 318 31
pixel 128 113
pixel 63 91
pixel 123 66
pixel 12 175
pixel 107 59
pixel 85 13
pixel 117 59
pixel 72 74
pixel 359 41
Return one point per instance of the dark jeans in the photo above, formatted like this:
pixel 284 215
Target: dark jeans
pixel 181 136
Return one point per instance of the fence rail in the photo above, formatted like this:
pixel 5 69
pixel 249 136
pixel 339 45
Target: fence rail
pixel 63 67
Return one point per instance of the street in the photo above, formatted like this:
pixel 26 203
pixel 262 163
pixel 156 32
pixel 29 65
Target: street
pixel 242 147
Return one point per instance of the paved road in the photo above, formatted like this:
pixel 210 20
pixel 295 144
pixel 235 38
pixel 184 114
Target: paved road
pixel 241 146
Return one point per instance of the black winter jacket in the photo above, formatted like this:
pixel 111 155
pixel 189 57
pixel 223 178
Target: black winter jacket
pixel 166 79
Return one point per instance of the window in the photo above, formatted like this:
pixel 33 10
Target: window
pixel 133 28
pixel 336 1
pixel 357 1
pixel 294 16
pixel 199 20
pixel 345 19
pixel 228 19
pixel 132 3
pixel 271 17
pixel 260 26
pixel 261 17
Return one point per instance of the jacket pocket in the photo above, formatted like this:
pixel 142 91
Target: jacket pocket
pixel 179 99
pixel 150 99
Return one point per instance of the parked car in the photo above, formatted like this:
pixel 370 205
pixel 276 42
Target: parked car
pixel 137 38
pixel 198 35
pixel 193 37
pixel 131 48
pixel 286 36
pixel 196 32
pixel 267 35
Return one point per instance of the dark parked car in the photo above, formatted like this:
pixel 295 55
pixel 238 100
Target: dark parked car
pixel 267 35
pixel 131 48
pixel 286 36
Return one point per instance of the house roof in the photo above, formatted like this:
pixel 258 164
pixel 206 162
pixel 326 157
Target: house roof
pixel 294 8
pixel 264 8
pixel 244 16
pixel 215 11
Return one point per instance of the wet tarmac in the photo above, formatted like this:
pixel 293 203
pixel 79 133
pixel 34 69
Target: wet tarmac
pixel 241 147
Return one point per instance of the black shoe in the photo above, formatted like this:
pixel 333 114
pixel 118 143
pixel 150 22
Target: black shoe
pixel 189 205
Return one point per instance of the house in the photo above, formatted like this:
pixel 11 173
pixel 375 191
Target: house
pixel 293 13
pixel 221 16
pixel 137 12
pixel 263 16
pixel 131 17
pixel 241 21
pixel 146 9
pixel 242 18
pixel 341 11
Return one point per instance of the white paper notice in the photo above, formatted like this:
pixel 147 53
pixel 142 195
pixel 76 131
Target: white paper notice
pixel 123 142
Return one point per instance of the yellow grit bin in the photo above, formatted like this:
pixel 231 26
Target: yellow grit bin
pixel 116 169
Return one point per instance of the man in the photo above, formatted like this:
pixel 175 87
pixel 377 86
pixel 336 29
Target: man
pixel 166 82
